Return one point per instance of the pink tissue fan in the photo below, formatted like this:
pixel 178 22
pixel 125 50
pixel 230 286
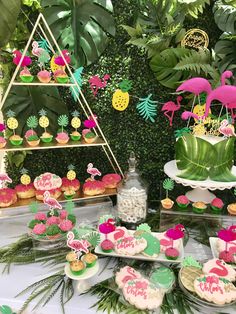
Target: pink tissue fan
pixel 17 57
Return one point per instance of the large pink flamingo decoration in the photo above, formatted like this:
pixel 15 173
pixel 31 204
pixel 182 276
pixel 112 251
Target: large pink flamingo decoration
pixel 26 61
pixel 51 202
pixel 77 245
pixel 96 83
pixel 171 107
pixel 93 171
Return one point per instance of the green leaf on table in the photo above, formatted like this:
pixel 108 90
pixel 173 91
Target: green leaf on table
pixel 194 156
pixel 93 238
pixel 5 309
pixel 224 160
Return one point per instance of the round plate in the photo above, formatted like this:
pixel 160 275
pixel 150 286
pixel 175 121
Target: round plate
pixel 89 272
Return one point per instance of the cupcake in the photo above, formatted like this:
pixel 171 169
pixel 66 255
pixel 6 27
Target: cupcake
pixel 66 225
pixel 52 220
pixel 44 76
pixel 71 257
pixel 77 267
pixel 226 256
pixel 41 216
pixel 232 209
pixel 25 191
pixel 167 203
pixel 70 184
pixel 53 232
pixel 90 259
pixel 75 136
pixel 16 140
pixel 62 138
pixel 54 193
pixel 2 138
pixel 39 229
pixel 89 136
pixel 26 76
pixel 111 180
pixel 107 246
pixel 3 142
pixel 171 253
pixel 33 223
pixel 182 201
pixel 60 76
pixel 199 207
pixel 93 188
pixel 217 205
pixel 46 137
pixel 63 214
pixel 33 140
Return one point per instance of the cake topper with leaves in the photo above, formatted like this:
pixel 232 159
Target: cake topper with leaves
pixel 63 121
pixel 168 185
pixel 71 174
pixel 32 123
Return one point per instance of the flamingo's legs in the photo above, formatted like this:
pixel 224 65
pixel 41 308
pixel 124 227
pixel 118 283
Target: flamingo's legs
pixel 191 110
pixel 169 117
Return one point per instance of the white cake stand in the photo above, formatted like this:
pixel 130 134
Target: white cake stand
pixel 82 280
pixel 201 189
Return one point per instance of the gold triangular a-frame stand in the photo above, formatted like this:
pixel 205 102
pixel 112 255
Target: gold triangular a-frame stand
pixel 82 102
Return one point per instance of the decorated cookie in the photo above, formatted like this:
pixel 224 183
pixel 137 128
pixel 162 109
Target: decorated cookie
pixel 130 245
pixel 219 268
pixel 142 294
pixel 215 289
pixel 119 233
pixel 191 269
pixel 125 274
pixel 153 244
pixel 166 242
pixel 163 277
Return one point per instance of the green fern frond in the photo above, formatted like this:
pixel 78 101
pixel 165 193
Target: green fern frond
pixel 147 108
pixel 32 122
pixel 63 120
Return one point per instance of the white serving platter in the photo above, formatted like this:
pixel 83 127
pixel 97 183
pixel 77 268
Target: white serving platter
pixel 214 251
pixel 160 258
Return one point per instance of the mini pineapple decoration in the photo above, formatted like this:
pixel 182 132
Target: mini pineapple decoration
pixel 62 136
pixel 168 185
pixel 71 174
pixel 44 123
pixel 25 178
pixel 12 124
pixel 75 123
pixel 31 136
pixel 71 185
pixel 27 190
pixel 120 99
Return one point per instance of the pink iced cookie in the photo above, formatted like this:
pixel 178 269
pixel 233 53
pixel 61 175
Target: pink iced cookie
pixel 215 289
pixel 166 242
pixel 119 233
pixel 124 274
pixel 219 268
pixel 130 246
pixel 142 294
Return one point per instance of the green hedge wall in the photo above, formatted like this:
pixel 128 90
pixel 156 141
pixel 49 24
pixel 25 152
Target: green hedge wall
pixel 152 142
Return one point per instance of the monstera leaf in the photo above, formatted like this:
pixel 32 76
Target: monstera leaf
pixel 225 15
pixel 221 171
pixel 194 156
pixel 225 50
pixel 27 101
pixel 81 26
pixel 8 18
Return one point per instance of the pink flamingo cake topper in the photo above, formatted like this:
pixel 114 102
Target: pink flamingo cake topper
pixel 91 122
pixel 228 235
pixel 4 178
pixel 26 61
pixel 175 233
pixel 77 245
pixel 93 171
pixel 107 227
pixel 170 107
pixel 96 83
pixel 51 202
pixel 226 129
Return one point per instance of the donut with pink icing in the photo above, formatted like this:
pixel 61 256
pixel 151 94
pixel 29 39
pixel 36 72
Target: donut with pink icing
pixel 54 193
pixel 219 268
pixel 94 187
pixel 111 180
pixel 7 197
pixel 25 191
pixel 130 245
pixel 68 184
pixel 125 274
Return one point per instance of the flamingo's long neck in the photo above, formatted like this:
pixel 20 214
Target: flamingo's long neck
pixel 70 238
pixel 221 271
pixel 178 103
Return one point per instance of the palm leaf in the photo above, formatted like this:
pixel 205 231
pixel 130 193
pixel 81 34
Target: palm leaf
pixel 147 108
pixel 168 184
pixel 5 309
pixel 78 78
pixel 225 50
pixel 93 238
pixel 32 122
pixel 225 15
pixel 194 156
pixel 63 120
pixel 221 171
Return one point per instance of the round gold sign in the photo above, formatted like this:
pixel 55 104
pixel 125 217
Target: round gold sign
pixel 195 38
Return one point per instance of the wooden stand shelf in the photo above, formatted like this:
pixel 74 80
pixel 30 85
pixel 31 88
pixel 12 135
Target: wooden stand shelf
pixel 52 83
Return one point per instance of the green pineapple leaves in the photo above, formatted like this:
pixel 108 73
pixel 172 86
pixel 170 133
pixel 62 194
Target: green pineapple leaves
pixel 199 159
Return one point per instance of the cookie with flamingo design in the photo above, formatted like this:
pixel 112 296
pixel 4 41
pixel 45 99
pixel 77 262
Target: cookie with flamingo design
pixel 130 245
pixel 117 234
pixel 142 294
pixel 125 274
pixel 219 268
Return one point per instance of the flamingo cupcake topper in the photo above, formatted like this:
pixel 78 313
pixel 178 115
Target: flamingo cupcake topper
pixel 78 246
pixel 52 203
pixel 4 178
pixel 175 233
pixel 93 171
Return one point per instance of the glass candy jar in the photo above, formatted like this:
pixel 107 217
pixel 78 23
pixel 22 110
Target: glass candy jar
pixel 132 196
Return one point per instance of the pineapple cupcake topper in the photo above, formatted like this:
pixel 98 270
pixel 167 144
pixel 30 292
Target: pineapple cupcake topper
pixel 75 122
pixel 120 99
pixel 71 174
pixel 25 178
pixel 12 122
pixel 43 120
pixel 63 121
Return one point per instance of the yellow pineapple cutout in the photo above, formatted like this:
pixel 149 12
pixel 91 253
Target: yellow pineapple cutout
pixel 12 122
pixel 120 99
pixel 71 174
pixel 75 122
pixel 199 129
pixel 43 120
pixel 25 178
pixel 54 67
pixel 200 111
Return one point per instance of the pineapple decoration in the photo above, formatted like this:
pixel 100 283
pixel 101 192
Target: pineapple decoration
pixel 44 123
pixel 120 99
pixel 25 178
pixel 12 124
pixel 75 123
pixel 71 174
pixel 74 184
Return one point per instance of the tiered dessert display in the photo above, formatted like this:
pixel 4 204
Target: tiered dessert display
pixel 92 135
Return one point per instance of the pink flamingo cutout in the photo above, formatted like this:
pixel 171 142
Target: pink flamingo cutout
pixel 36 51
pixel 59 60
pixel 226 129
pixel 226 235
pixel 91 122
pixel 175 233
pixel 219 271
pixel 5 178
pixel 93 171
pixel 170 106
pixel 107 227
pixel 96 83
pixel 77 245
pixel 17 57
pixel 51 202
